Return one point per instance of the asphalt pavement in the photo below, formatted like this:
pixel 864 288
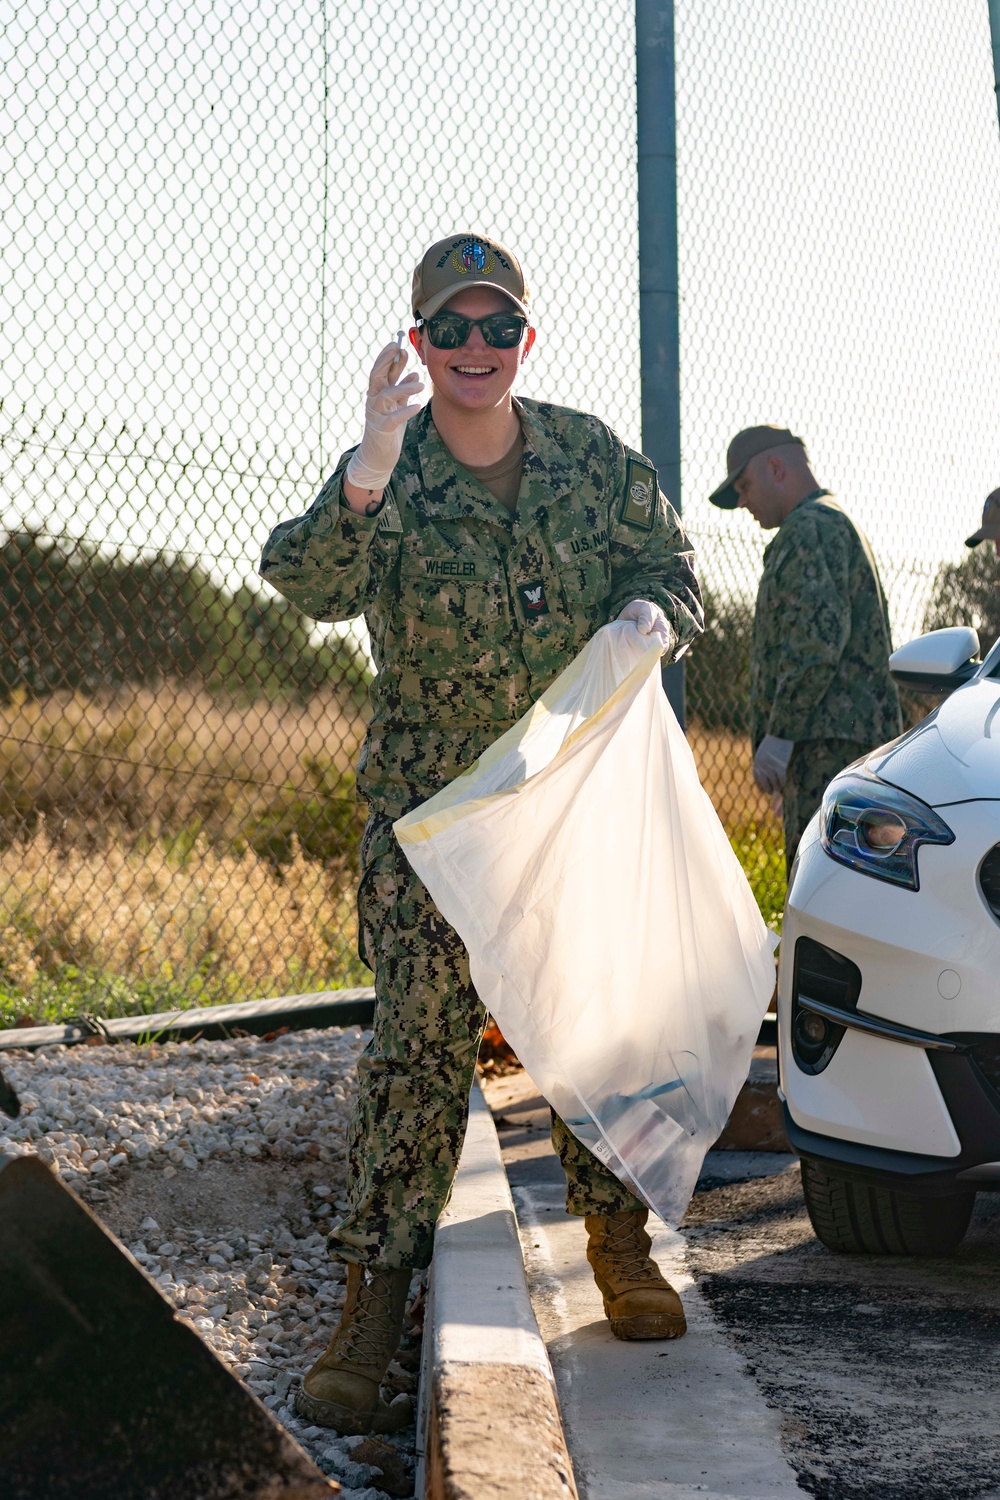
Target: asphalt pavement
pixel 847 1378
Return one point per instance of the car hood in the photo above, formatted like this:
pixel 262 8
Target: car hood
pixel 954 755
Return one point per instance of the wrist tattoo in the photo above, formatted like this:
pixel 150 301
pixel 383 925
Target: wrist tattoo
pixel 372 507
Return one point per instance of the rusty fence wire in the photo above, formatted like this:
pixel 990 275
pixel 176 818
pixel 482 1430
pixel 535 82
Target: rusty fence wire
pixel 210 214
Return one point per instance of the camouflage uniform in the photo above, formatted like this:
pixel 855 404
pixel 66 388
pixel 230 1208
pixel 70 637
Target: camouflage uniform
pixel 472 612
pixel 819 659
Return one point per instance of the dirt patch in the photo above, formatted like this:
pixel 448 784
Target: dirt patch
pixel 222 1196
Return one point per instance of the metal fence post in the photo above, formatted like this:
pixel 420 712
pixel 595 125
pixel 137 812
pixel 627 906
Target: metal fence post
pixel 659 331
pixel 995 38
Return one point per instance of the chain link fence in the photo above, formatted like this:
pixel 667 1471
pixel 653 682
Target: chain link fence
pixel 210 215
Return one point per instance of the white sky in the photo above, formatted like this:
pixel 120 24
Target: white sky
pixel 175 216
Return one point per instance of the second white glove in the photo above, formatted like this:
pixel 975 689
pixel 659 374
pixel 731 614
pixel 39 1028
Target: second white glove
pixel 649 619
pixel 387 412
pixel 770 764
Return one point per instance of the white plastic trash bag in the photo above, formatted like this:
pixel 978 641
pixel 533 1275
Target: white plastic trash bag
pixel 610 929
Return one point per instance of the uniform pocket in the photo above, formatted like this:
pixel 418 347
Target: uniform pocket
pixel 453 623
pixel 586 581
pixel 378 894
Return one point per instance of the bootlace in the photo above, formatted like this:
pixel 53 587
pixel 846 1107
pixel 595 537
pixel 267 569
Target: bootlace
pixel 372 1321
pixel 632 1263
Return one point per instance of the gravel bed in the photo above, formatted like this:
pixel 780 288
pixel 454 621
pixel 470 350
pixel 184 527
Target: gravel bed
pixel 221 1166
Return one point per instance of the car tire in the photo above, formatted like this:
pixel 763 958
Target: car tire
pixel 861 1218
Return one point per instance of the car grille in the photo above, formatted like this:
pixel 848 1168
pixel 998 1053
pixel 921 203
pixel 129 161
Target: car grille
pixel 823 974
pixel 986 1054
pixel 989 880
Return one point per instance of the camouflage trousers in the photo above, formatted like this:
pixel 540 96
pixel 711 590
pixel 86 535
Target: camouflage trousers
pixel 813 764
pixel 414 1076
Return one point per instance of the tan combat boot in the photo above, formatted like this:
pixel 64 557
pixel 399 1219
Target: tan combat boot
pixel 639 1301
pixel 341 1389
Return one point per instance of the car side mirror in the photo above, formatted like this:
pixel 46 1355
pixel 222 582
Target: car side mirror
pixel 937 662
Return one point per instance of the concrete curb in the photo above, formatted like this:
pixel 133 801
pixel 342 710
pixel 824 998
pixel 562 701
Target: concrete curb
pixel 489 1418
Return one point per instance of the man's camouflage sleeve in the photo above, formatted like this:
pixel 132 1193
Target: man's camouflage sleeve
pixel 651 557
pixel 330 563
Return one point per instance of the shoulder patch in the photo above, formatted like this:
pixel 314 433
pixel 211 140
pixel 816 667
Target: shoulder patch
pixel 390 519
pixel 638 506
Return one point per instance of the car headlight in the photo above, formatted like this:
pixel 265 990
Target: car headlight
pixel 877 829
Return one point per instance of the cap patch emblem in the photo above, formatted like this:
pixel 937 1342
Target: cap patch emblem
pixel 474 257
pixel 639 501
pixel 533 597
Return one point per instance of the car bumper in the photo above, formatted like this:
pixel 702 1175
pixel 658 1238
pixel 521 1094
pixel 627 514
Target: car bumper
pixel 889 1105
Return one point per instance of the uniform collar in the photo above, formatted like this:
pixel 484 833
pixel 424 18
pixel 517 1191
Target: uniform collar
pixel 784 528
pixel 446 490
pixel 451 493
pixel 818 494
pixel 549 472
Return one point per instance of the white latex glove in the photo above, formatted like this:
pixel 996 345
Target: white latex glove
pixel 770 764
pixel 649 619
pixel 386 416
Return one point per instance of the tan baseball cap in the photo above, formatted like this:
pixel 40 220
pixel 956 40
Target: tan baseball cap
pixel 464 260
pixel 745 446
pixel 989 531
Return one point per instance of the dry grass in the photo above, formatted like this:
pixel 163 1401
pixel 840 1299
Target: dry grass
pixel 127 881
pixel 725 765
pixel 169 930
pixel 127 876
pixel 157 761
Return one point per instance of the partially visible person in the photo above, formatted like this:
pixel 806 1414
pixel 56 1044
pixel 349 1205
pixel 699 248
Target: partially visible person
pixel 820 691
pixel 989 531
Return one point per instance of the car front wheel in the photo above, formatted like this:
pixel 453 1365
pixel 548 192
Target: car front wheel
pixel 861 1218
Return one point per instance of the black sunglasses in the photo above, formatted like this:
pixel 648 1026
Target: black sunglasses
pixel 450 330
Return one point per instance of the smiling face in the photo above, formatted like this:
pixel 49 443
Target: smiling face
pixel 474 378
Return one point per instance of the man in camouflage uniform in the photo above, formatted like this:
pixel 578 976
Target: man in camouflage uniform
pixel 485 543
pixel 989 530
pixel 820 691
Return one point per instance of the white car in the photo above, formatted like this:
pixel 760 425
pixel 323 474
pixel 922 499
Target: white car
pixel 889 975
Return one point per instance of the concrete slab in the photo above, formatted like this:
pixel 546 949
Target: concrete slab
pixel 673 1420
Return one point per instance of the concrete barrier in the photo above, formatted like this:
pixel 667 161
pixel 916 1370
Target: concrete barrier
pixel 489 1419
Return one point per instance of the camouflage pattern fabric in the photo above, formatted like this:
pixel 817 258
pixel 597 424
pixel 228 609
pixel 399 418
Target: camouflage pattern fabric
pixel 415 1074
pixel 819 659
pixel 814 763
pixel 473 611
pixel 590 1187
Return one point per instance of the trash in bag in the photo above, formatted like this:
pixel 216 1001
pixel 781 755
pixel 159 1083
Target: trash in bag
pixel 610 928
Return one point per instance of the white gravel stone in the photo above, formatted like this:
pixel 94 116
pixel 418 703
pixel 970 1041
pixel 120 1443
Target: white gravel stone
pixel 116 1118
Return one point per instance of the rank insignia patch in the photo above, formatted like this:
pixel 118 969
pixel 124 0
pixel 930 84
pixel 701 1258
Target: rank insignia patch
pixel 389 520
pixel 533 597
pixel 639 501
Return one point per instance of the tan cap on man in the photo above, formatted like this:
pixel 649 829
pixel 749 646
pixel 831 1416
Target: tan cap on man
pixel 745 446
pixel 989 531
pixel 464 260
